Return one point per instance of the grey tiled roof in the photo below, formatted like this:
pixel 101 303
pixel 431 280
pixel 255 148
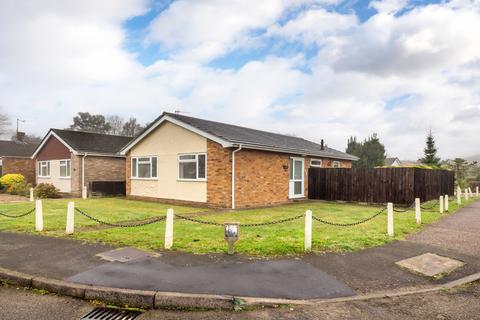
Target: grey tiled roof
pixel 92 142
pixel 263 139
pixel 16 149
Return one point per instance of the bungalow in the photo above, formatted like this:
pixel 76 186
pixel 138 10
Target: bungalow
pixel 15 158
pixel 72 159
pixel 186 159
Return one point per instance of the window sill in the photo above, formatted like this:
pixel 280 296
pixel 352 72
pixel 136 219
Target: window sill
pixel 65 178
pixel 145 179
pixel 43 177
pixel 192 180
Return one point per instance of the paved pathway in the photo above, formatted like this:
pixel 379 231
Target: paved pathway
pixel 309 276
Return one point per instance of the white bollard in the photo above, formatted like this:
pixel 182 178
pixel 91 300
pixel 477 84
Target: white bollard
pixel 466 194
pixel 169 229
pixel 459 196
pixel 390 229
pixel 38 216
pixel 308 230
pixel 84 192
pixel 418 211
pixel 478 193
pixel 441 203
pixel 470 191
pixel 31 195
pixel 446 202
pixel 70 218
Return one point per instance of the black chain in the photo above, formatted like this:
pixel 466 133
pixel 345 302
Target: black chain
pixel 19 216
pixel 335 224
pixel 211 223
pixel 431 207
pixel 273 222
pixel 122 225
pixel 406 209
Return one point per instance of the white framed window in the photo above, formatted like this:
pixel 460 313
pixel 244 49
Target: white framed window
pixel 336 164
pixel 64 168
pixel 316 163
pixel 44 169
pixel 144 167
pixel 192 167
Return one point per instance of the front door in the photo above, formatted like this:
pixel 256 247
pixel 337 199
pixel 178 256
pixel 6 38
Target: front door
pixel 296 187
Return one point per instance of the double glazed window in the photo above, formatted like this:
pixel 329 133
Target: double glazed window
pixel 65 168
pixel 316 163
pixel 144 167
pixel 44 169
pixel 192 167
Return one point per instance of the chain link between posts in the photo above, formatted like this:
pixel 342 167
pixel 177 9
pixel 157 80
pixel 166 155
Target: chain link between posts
pixel 336 224
pixel 17 216
pixel 242 225
pixel 122 225
pixel 405 209
pixel 430 207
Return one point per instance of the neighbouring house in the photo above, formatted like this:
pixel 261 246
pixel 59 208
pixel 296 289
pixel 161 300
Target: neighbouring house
pixel 392 162
pixel 72 159
pixel 15 158
pixel 184 159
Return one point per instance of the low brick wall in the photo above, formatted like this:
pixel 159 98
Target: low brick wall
pixel 23 166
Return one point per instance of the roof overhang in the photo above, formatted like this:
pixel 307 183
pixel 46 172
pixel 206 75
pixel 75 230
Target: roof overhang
pixel 162 119
pixel 51 133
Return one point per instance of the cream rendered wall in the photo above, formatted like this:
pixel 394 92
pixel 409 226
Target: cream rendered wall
pixel 63 184
pixel 167 142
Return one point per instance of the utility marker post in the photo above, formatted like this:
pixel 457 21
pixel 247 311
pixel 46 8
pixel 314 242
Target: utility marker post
pixel 466 194
pixel 38 216
pixel 70 218
pixel 459 196
pixel 390 230
pixel 84 192
pixel 478 193
pixel 31 195
pixel 169 229
pixel 418 211
pixel 308 230
pixel 441 203
pixel 446 202
pixel 470 191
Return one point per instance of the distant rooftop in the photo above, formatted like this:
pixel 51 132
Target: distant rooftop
pixel 10 148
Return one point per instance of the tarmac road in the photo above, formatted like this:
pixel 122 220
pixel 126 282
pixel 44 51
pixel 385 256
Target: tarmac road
pixel 461 303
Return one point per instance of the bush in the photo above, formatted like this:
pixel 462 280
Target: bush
pixel 9 179
pixel 46 190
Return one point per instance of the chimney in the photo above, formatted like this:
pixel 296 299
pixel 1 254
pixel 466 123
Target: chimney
pixel 322 145
pixel 20 136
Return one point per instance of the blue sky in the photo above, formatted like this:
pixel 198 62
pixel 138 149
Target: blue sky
pixel 320 69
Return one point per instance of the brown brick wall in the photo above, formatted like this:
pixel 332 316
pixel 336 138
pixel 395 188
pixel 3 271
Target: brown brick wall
pixel 128 175
pixel 23 166
pixel 53 149
pixel 219 173
pixel 76 175
pixel 104 169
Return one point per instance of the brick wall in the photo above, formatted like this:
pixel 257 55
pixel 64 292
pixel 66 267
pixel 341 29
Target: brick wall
pixel 23 166
pixel 128 175
pixel 76 175
pixel 219 175
pixel 104 169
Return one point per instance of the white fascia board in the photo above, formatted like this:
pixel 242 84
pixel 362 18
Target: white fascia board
pixel 51 133
pixel 179 123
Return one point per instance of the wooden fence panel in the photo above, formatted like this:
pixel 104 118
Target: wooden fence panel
pixel 379 185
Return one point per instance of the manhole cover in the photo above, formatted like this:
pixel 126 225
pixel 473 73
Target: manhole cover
pixel 430 265
pixel 111 314
pixel 125 255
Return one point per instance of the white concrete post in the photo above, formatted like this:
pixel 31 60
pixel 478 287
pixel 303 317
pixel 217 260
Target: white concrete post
pixel 70 218
pixel 418 211
pixel 31 195
pixel 466 194
pixel 84 192
pixel 478 193
pixel 446 202
pixel 390 230
pixel 169 229
pixel 38 216
pixel 459 196
pixel 308 230
pixel 470 191
pixel 441 203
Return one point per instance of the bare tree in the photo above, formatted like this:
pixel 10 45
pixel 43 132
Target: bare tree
pixel 116 124
pixel 131 128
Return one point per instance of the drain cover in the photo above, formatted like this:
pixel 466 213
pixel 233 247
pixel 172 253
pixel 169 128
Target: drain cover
pixel 111 314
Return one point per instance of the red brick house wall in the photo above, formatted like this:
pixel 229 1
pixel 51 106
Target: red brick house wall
pixel 23 166
pixel 53 149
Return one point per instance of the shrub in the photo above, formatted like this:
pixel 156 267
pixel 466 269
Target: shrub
pixel 18 188
pixel 46 190
pixel 7 180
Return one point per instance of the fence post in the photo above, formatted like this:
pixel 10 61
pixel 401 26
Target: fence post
pixel 70 218
pixel 418 211
pixel 390 230
pixel 38 216
pixel 169 229
pixel 31 195
pixel 84 192
pixel 308 230
pixel 441 203
pixel 470 191
pixel 478 193
pixel 459 196
pixel 466 194
pixel 446 203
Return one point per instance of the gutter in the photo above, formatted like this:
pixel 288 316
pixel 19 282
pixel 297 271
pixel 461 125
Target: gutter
pixel 233 175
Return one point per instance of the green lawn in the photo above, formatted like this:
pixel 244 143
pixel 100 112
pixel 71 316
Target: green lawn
pixel 281 239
